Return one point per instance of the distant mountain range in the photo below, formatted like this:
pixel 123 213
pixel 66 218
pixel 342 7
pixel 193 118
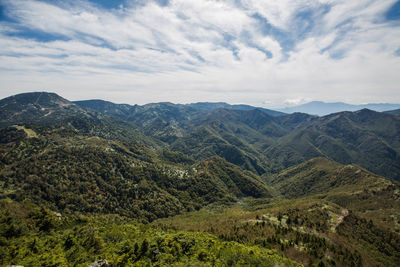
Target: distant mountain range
pixel 124 109
pixel 322 108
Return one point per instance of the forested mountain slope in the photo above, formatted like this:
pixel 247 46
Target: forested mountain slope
pixel 321 176
pixel 257 141
pixel 68 171
pixel 368 138
pixel 48 110
pixel 34 236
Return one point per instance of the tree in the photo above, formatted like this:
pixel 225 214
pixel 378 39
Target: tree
pixel 144 247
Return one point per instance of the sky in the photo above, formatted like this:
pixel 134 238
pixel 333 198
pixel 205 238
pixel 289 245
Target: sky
pixel 269 53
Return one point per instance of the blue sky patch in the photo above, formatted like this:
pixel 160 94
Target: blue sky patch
pixel 394 12
pixel 2 12
pixel 284 38
pixel 39 36
pixel 108 4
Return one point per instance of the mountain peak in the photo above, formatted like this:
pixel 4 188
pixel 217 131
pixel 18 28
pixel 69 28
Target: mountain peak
pixel 39 99
pixel 29 107
pixel 365 110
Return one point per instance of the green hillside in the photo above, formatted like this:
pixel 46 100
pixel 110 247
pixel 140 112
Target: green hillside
pixel 35 236
pixel 350 186
pixel 73 172
pixel 263 142
pixel 310 231
pixel 321 176
pixel 216 139
pixel 367 138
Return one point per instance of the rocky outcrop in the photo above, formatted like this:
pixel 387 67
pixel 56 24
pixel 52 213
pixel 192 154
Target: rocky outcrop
pixel 100 263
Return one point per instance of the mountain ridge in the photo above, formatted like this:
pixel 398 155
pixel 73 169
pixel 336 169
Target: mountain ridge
pixel 321 175
pixel 394 112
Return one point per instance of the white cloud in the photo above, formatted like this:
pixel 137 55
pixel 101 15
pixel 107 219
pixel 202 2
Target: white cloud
pixel 278 13
pixel 207 50
pixel 296 101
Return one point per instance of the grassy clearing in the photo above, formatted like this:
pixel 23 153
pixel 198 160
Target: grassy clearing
pixel 29 132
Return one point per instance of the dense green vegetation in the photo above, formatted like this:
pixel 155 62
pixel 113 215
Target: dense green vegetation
pixel 257 141
pixel 349 186
pixel 34 236
pixel 205 184
pixel 309 231
pixel 323 176
pixel 72 172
